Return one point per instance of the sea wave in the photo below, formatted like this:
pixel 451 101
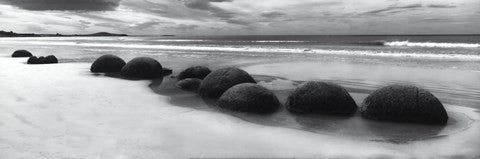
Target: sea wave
pixel 431 44
pixel 250 49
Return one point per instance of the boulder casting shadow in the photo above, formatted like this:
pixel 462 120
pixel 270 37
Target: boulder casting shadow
pixel 21 53
pixel 42 60
pixel 249 97
pixel 321 98
pixel 199 72
pixel 220 80
pixel 142 67
pixel 404 103
pixel 107 63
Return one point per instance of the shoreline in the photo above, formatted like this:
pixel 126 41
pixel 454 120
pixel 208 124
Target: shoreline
pixel 149 126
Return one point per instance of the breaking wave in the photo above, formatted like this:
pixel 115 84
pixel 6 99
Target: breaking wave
pixel 431 44
pixel 249 49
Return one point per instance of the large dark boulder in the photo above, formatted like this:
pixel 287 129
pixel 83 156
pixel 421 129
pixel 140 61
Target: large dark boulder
pixel 404 103
pixel 316 97
pixel 42 60
pixel 199 72
pixel 50 59
pixel 220 80
pixel 21 53
pixel 249 97
pixel 190 84
pixel 142 67
pixel 107 63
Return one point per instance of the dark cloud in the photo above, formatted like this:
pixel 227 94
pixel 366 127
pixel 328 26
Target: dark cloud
pixel 206 5
pixel 273 14
pixel 65 5
pixel 441 6
pixel 395 9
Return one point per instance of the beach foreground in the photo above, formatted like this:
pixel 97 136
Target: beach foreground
pixel 64 111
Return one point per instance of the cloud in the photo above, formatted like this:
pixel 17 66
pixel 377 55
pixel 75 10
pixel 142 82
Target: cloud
pixel 184 27
pixel 146 24
pixel 441 6
pixel 65 5
pixel 206 5
pixel 272 14
pixel 395 9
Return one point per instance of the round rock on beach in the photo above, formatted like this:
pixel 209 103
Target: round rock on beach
pixel 249 97
pixel 199 72
pixel 220 80
pixel 317 97
pixel 142 67
pixel 107 63
pixel 42 60
pixel 404 103
pixel 21 53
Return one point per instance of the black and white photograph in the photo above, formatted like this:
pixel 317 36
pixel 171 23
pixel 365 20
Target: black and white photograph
pixel 239 79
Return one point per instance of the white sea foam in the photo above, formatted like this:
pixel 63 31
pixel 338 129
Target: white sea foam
pixel 431 44
pixel 247 49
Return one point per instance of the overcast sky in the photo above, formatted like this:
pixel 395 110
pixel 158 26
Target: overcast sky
pixel 242 17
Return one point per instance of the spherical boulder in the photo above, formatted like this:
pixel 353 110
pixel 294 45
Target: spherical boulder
pixel 50 59
pixel 32 60
pixel 107 63
pixel 21 53
pixel 217 82
pixel 316 97
pixel 142 67
pixel 249 97
pixel 42 60
pixel 190 84
pixel 404 103
pixel 199 72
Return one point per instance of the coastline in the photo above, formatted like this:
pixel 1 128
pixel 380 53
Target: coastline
pixel 73 113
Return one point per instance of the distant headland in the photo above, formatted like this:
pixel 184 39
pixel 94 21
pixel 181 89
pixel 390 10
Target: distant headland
pixel 13 34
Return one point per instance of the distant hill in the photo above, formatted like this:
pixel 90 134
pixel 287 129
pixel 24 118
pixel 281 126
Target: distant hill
pixel 13 34
pixel 104 34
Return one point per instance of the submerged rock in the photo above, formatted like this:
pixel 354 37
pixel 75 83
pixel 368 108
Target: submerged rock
pixel 107 63
pixel 190 84
pixel 142 67
pixel 321 98
pixel 199 72
pixel 404 103
pixel 42 60
pixel 21 53
pixel 220 80
pixel 249 97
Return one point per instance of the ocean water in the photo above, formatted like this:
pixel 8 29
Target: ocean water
pixel 434 48
pixel 449 66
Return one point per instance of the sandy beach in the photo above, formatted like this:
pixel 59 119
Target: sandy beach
pixel 64 111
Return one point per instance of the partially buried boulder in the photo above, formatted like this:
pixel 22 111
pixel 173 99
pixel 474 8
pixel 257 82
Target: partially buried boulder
pixel 316 97
pixel 220 80
pixel 199 72
pixel 404 103
pixel 42 60
pixel 142 67
pixel 249 97
pixel 190 84
pixel 21 53
pixel 107 63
